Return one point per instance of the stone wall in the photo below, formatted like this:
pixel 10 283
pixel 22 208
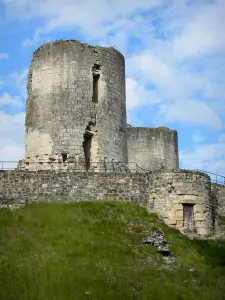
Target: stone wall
pixel 164 192
pixel 153 148
pixel 76 105
pixel 218 193
pixel 169 190
pixel 218 198
pixel 19 187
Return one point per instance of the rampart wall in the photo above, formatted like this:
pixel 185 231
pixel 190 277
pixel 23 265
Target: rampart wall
pixel 20 187
pixel 164 192
pixel 218 193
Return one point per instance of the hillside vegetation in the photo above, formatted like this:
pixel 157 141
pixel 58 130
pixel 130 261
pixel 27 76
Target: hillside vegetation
pixel 93 250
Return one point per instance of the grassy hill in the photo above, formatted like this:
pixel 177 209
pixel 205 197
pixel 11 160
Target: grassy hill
pixel 93 250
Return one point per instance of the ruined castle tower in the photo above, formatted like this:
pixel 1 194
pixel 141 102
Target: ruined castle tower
pixel 76 105
pixel 153 148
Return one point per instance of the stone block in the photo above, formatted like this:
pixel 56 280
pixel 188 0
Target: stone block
pixel 171 221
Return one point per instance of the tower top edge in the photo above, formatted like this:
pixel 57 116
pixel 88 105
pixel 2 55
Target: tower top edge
pixel 160 128
pixel 72 41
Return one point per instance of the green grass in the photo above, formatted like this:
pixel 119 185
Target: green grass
pixel 222 220
pixel 92 250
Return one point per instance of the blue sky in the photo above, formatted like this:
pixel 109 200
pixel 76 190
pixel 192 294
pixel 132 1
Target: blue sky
pixel 175 65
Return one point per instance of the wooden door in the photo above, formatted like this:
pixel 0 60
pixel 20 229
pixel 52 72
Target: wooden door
pixel 188 215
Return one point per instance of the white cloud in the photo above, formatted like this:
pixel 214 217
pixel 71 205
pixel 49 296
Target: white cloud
pixel 185 28
pixel 221 138
pixel 1 82
pixel 171 81
pixel 180 43
pixel 197 138
pixel 190 111
pixel 3 55
pixel 13 101
pixel 27 42
pixel 11 137
pixel 91 18
pixel 137 95
pixel 153 68
pixel 203 33
pixel 174 89
pixel 11 126
pixel 209 157
pixel 19 80
pixel 16 80
pixel 10 155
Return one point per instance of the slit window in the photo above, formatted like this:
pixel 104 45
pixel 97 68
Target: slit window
pixel 95 88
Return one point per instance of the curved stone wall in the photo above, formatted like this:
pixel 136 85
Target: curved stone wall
pixel 76 106
pixel 218 193
pixel 169 191
pixel 165 192
pixel 153 148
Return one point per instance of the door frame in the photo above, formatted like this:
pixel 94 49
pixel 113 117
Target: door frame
pixel 193 217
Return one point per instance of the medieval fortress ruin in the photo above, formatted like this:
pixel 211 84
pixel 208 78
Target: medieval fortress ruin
pixel 76 112
pixel 78 145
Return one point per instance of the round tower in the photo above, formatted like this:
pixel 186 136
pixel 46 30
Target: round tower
pixel 153 148
pixel 76 105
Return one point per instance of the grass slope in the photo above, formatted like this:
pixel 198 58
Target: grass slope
pixel 92 250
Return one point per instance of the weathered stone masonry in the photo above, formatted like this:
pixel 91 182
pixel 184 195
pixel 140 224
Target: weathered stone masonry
pixel 76 112
pixel 164 192
pixel 76 105
pixel 170 191
pixel 218 194
pixel 19 187
pixel 153 148
pixel 76 128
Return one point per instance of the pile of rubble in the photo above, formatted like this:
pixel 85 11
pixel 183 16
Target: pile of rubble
pixel 158 241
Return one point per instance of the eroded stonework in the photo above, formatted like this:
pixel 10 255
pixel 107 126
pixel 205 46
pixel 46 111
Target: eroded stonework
pixel 79 147
pixel 153 148
pixel 164 192
pixel 171 191
pixel 76 105
pixel 76 112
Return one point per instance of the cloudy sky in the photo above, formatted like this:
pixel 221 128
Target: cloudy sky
pixel 175 65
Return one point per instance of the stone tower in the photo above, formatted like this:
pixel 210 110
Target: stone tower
pixel 76 105
pixel 153 148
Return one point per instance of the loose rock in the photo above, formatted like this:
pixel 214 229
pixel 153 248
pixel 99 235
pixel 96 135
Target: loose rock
pixel 158 241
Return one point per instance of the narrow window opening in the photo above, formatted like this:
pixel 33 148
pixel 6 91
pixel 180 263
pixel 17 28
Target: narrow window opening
pixel 95 88
pixel 188 216
pixel 64 157
pixel 97 67
pixel 87 150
